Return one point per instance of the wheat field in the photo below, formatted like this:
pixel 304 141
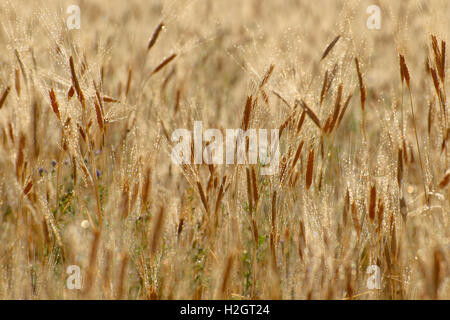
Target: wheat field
pixel 87 182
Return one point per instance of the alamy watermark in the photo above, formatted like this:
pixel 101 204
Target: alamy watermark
pixel 374 280
pixel 374 20
pixel 73 22
pixel 74 279
pixel 241 147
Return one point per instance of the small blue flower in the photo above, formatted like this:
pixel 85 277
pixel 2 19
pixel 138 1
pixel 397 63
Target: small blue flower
pixel 99 173
pixel 53 163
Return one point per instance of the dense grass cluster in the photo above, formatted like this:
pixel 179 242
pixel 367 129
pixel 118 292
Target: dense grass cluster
pixel 86 176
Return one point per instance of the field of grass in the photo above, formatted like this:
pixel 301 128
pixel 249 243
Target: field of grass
pixel 87 180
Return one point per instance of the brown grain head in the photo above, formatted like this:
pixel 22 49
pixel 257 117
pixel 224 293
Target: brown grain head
pixel 442 64
pixel 435 46
pixel 297 154
pixel 266 76
pixel 439 56
pixel 164 63
pixel 346 207
pixel 436 84
pixel 326 126
pixel 249 192
pixel 309 169
pixel 445 180
pixel 20 155
pixel 362 88
pixel 274 212
pixel 54 104
pixel 99 115
pixel 330 47
pixel 203 197
pixel 399 166
pixel 109 99
pixel 82 133
pixel 255 187
pixel 4 95
pixel 155 36
pixel 17 82
pixel 264 96
pixel 301 240
pixel 372 202
pixel 247 113
pixel 146 187
pixel 430 117
pixel 28 187
pixel 404 70
pixel 76 83
pixel 301 121
pixel 70 93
